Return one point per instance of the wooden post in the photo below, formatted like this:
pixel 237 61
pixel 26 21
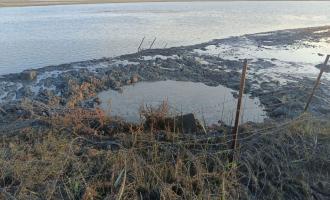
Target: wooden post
pixel 317 83
pixel 139 48
pixel 153 42
pixel 239 106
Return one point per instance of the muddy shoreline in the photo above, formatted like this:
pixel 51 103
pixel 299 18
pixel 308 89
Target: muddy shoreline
pixel 218 62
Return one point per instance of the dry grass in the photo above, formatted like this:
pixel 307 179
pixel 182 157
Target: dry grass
pixel 290 162
pixel 86 155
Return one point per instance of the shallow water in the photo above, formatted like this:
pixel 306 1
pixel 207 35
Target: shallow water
pixel 298 60
pixel 32 37
pixel 208 103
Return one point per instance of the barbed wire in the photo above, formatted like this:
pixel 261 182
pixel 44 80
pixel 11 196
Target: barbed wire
pixel 251 134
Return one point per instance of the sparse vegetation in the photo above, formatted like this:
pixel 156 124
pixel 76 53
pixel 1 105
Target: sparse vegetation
pixel 56 143
pixel 82 154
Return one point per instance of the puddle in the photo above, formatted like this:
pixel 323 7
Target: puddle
pixel 207 103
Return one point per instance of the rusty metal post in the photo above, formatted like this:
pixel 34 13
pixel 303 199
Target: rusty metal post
pixel 239 105
pixel 317 83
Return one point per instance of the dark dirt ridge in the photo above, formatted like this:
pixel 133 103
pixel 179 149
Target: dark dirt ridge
pixel 76 84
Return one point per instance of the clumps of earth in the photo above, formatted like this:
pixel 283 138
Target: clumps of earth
pixel 282 86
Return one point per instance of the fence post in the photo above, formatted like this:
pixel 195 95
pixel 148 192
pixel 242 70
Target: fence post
pixel 139 48
pixel 239 107
pixel 153 42
pixel 317 82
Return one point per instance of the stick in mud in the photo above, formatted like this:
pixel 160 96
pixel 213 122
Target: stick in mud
pixel 317 83
pixel 139 48
pixel 239 109
pixel 153 42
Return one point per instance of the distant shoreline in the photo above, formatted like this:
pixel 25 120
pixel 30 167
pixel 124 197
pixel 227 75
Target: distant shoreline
pixel 26 3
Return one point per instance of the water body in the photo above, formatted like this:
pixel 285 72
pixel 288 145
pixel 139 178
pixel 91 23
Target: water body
pixel 32 37
pixel 207 103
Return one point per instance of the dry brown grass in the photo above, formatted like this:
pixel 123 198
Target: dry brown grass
pixel 289 162
pixel 86 155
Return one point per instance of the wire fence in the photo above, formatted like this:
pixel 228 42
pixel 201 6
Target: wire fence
pixel 227 112
pixel 233 138
pixel 226 139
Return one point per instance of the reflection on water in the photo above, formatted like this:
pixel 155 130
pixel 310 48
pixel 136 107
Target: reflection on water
pixel 32 37
pixel 210 103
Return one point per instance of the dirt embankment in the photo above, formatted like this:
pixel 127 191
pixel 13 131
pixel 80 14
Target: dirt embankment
pixel 82 154
pixel 57 144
